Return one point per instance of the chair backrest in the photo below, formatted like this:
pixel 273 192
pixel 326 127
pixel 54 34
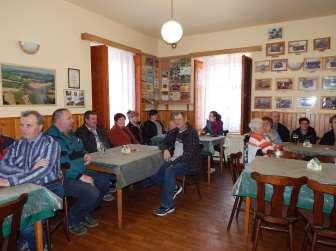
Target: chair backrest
pixel 292 155
pixel 319 191
pixel 277 200
pixel 236 166
pixel 13 208
pixel 326 159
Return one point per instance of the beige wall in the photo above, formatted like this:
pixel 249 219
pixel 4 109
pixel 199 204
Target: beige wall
pixel 56 25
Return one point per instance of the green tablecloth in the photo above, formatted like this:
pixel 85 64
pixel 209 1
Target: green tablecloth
pixel 247 187
pixel 210 142
pixel 313 151
pixel 132 167
pixel 41 204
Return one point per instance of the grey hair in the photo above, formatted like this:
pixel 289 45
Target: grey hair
pixel 255 124
pixel 175 114
pixel 38 116
pixel 57 114
pixel 130 113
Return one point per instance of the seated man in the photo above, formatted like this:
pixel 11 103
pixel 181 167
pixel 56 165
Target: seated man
pixel 182 155
pixel 93 136
pixel 329 137
pixel 88 188
pixel 280 128
pixel 120 134
pixel 152 127
pixel 304 132
pixel 5 143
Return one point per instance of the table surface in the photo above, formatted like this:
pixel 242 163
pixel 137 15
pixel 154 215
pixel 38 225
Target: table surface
pixel 209 142
pixel 313 151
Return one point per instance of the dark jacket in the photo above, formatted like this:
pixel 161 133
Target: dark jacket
pixel 5 143
pixel 214 128
pixel 89 140
pixel 283 132
pixel 191 147
pixel 121 136
pixel 136 131
pixel 310 135
pixel 149 130
pixel 328 138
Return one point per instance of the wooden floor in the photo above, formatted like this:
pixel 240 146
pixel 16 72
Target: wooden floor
pixel 195 225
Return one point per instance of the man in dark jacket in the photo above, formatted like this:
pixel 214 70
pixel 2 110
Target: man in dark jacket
pixel 280 128
pixel 304 132
pixel 93 136
pixel 152 127
pixel 329 137
pixel 181 152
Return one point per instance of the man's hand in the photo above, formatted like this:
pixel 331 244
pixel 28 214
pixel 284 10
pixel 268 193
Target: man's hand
pixel 166 155
pixel 87 179
pixel 4 183
pixel 41 163
pixel 87 159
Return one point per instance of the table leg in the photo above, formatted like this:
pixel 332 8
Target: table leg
pixel 247 218
pixel 209 169
pixel 119 207
pixel 39 235
pixel 221 155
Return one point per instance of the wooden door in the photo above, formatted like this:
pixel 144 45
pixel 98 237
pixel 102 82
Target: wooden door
pixel 246 94
pixel 198 94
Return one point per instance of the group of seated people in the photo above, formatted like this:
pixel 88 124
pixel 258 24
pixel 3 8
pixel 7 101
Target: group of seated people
pixel 267 134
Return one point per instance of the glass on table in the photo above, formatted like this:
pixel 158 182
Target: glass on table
pixel 296 138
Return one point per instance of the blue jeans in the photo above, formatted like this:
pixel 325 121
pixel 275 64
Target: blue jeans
pixel 166 178
pixel 87 197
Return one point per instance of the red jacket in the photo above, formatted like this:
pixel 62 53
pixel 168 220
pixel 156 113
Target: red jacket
pixel 121 136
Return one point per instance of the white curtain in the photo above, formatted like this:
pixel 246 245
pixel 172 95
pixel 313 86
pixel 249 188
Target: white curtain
pixel 121 82
pixel 221 88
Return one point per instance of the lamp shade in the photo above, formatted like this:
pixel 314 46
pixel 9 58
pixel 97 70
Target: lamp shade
pixel 29 47
pixel 171 31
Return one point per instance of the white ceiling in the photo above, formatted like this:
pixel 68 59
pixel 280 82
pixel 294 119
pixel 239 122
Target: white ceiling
pixel 196 16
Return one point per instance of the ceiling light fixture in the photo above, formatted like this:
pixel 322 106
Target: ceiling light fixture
pixel 171 31
pixel 29 47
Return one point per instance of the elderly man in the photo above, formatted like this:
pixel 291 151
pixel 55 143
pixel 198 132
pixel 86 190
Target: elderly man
pixel 87 188
pixel 280 128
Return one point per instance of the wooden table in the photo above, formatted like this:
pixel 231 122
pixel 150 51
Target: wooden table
pixel 313 151
pixel 130 168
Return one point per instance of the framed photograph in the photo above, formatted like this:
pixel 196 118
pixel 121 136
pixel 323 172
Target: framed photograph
pixel 329 83
pixel 274 33
pixel 306 102
pixel 284 83
pixel 275 49
pixel 283 102
pixel 321 44
pixel 328 103
pixel 262 66
pixel 73 78
pixel 279 65
pixel 308 83
pixel 263 103
pixel 312 64
pixel 330 63
pixel 22 85
pixel 74 98
pixel 298 46
pixel 264 84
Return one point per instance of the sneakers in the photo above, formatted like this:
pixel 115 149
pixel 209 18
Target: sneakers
pixel 108 197
pixel 78 230
pixel 89 222
pixel 177 191
pixel 162 211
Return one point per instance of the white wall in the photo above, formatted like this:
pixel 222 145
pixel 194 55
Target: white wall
pixel 56 25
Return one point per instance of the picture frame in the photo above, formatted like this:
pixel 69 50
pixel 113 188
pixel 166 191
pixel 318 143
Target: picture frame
pixel 312 64
pixel 74 98
pixel 284 83
pixel 73 78
pixel 274 32
pixel 329 83
pixel 275 49
pixel 263 84
pixel 278 65
pixel 297 46
pixel 282 102
pixel 321 44
pixel 307 83
pixel 328 102
pixel 262 66
pixel 263 102
pixel 330 63
pixel 306 102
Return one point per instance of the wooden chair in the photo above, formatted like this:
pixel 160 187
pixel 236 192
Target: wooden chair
pixel 320 228
pixel 326 159
pixel 13 208
pixel 272 216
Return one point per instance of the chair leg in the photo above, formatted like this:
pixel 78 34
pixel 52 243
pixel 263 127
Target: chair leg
pixel 184 187
pixel 255 242
pixel 66 219
pixel 314 241
pixel 239 207
pixel 234 209
pixel 47 223
pixel 290 233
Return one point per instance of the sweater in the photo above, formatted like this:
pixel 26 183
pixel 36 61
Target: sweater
pixel 310 135
pixel 121 136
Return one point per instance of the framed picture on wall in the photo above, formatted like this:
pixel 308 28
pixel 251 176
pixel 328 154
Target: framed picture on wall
pixel 278 65
pixel 284 83
pixel 283 102
pixel 73 78
pixel 328 103
pixel 264 84
pixel 329 83
pixel 274 33
pixel 275 49
pixel 263 102
pixel 307 83
pixel 330 63
pixel 262 66
pixel 298 46
pixel 312 64
pixel 321 44
pixel 74 98
pixel 306 102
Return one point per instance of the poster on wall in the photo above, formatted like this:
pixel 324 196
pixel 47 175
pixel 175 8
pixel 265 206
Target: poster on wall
pixel 74 98
pixel 23 85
